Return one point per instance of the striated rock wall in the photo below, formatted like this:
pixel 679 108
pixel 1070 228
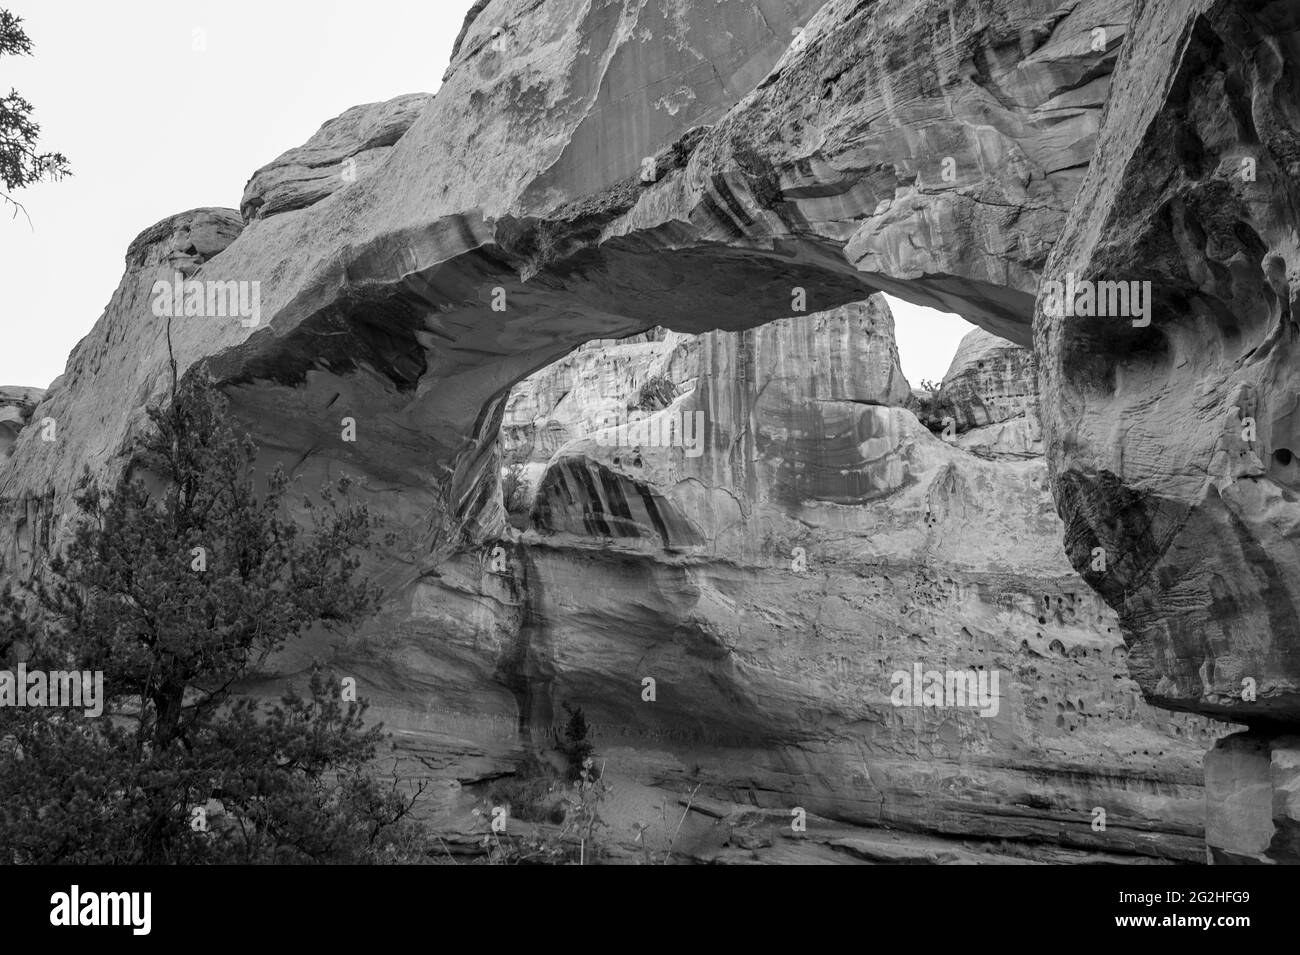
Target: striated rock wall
pixel 989 399
pixel 393 279
pixel 820 541
pixel 572 398
pixel 1170 434
pixel 589 172
pixel 1169 441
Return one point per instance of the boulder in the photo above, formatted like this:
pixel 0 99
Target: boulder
pixel 346 148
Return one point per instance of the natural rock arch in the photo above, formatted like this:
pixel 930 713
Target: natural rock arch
pixel 932 150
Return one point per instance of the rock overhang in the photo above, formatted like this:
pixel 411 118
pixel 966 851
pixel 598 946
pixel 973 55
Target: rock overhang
pixel 829 176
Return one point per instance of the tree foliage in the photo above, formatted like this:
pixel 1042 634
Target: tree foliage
pixel 21 162
pixel 575 745
pixel 178 584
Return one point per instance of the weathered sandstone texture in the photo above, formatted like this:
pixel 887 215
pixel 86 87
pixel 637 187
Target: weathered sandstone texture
pixel 813 184
pixel 820 541
pixel 1252 798
pixel 741 173
pixel 96 406
pixel 988 399
pixel 16 406
pixel 1172 443
pixel 343 150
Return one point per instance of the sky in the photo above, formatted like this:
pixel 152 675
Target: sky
pixel 167 105
pixel 927 339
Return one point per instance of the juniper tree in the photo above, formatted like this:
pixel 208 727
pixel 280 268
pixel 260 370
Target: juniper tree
pixel 177 584
pixel 21 164
pixel 576 746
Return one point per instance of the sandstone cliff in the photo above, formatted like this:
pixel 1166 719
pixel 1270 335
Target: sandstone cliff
pixel 820 541
pixel 741 177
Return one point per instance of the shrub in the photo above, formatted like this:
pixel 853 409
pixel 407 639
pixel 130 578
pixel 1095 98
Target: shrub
pixel 529 793
pixel 575 745
pixel 176 592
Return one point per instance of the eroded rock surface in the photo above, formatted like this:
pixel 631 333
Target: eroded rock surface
pixel 602 380
pixel 592 173
pixel 1171 434
pixel 16 406
pixel 386 291
pixel 989 399
pixel 94 409
pixel 1252 798
pixel 774 577
pixel 346 148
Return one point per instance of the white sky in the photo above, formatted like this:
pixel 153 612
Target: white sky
pixel 153 127
pixel 927 339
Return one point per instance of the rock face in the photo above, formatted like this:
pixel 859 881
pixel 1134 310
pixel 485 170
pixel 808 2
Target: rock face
pixel 1171 432
pixel 346 148
pixel 741 173
pixel 1171 440
pixel 16 406
pixel 95 408
pixel 386 291
pixel 1252 799
pixel 572 397
pixel 989 399
pixel 774 577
